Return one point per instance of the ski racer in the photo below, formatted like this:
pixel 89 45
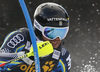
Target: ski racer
pixel 51 23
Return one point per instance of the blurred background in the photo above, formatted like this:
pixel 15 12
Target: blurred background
pixel 83 39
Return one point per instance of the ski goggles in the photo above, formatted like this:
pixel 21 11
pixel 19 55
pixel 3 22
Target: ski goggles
pixel 52 32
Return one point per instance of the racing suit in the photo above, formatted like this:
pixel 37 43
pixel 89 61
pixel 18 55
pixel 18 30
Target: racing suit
pixel 18 41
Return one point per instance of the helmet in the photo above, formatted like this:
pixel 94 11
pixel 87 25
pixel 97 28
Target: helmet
pixel 51 15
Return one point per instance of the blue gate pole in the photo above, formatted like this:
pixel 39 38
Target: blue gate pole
pixel 32 34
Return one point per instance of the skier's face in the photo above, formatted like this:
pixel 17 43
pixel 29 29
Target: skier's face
pixel 55 43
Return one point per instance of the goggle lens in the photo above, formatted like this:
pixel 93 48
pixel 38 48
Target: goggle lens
pixel 52 33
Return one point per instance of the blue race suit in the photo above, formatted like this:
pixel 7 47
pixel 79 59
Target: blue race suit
pixel 18 41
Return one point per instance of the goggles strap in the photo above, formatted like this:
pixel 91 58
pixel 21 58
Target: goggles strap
pixel 38 26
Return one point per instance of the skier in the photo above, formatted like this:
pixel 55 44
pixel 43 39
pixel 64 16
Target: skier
pixel 51 23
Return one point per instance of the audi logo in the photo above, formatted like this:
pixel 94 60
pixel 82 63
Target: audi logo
pixel 15 40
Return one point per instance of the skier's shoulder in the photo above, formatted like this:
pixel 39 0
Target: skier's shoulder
pixel 20 30
pixel 24 29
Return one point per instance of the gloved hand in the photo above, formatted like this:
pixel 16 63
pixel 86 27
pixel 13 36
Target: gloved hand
pixel 44 49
